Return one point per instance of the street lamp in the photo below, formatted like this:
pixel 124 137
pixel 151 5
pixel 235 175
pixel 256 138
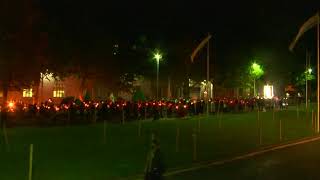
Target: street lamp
pixel 157 56
pixel 308 73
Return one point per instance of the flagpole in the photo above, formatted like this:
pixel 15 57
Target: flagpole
pixel 318 66
pixel 306 76
pixel 208 64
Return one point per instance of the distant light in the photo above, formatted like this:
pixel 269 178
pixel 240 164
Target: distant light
pixel 157 56
pixel 11 104
pixel 310 70
pixel 268 92
pixel 27 93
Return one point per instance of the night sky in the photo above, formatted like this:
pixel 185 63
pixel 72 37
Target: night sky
pixel 242 31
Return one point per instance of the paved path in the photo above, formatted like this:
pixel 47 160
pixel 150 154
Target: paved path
pixel 300 160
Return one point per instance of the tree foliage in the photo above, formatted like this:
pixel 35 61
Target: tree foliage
pixel 138 96
pixel 301 79
pixel 255 71
pixel 129 82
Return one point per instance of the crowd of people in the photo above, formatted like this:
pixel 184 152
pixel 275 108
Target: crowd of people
pixel 121 110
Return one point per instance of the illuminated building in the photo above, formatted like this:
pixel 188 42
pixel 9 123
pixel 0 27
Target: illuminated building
pixel 268 91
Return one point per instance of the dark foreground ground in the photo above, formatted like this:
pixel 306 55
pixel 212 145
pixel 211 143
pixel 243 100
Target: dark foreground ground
pixel 298 162
pixel 80 152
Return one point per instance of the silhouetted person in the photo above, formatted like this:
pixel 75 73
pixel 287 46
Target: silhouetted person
pixel 154 167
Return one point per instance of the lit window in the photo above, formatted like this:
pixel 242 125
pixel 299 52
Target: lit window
pixel 27 93
pixel 58 93
pixel 58 90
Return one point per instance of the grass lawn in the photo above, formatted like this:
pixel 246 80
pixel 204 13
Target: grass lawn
pixel 78 152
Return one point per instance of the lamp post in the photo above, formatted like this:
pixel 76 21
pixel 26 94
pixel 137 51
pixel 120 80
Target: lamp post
pixel 308 73
pixel 157 57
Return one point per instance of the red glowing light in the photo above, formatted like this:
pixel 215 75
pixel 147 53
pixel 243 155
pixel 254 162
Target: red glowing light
pixel 11 104
pixel 66 107
pixel 177 107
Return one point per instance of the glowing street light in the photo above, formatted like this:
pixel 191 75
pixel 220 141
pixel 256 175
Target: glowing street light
pixel 309 70
pixel 157 56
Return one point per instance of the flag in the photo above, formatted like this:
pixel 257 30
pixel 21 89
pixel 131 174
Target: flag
pixel 311 22
pixel 200 46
